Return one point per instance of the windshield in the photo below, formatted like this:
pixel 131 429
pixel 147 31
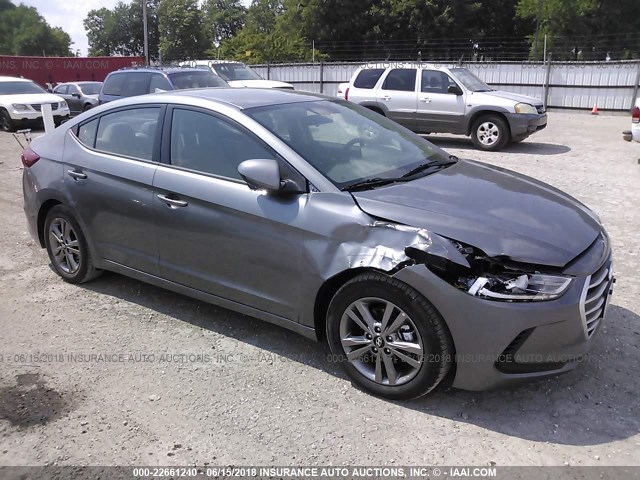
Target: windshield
pixel 17 88
pixel 92 88
pixel 235 71
pixel 347 143
pixel 470 81
pixel 200 79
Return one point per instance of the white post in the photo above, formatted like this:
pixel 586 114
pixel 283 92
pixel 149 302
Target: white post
pixel 544 58
pixel 47 118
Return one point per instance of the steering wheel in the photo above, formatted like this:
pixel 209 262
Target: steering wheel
pixel 353 142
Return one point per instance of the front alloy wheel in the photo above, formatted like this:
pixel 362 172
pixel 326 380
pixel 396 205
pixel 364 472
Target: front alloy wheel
pixel 389 339
pixel 490 132
pixel 381 341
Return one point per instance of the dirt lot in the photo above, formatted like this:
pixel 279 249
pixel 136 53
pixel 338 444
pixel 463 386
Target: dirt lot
pixel 189 383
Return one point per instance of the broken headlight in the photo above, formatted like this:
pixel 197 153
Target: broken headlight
pixel 516 288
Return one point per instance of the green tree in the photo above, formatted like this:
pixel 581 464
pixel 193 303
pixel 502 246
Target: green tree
pixel 23 31
pixel 181 32
pixel 120 31
pixel 223 19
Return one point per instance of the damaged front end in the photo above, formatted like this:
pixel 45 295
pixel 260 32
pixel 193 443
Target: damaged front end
pixel 491 278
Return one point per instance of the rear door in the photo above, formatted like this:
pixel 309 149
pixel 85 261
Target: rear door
pixel 109 166
pixel 439 110
pixel 398 94
pixel 214 233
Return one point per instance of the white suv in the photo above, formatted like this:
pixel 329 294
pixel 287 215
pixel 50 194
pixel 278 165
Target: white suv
pixel 21 103
pixel 430 98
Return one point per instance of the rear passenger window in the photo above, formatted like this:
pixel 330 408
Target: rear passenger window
pixel 87 133
pixel 209 144
pixel 130 133
pixel 368 78
pixel 401 79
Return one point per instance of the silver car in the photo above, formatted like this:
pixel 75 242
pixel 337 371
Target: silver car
pixel 323 217
pixel 428 98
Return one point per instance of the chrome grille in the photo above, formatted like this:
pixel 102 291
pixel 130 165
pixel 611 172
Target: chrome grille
pixel 595 297
pixel 38 107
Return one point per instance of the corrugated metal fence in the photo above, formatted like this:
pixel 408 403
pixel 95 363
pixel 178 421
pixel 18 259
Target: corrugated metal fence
pixel 575 85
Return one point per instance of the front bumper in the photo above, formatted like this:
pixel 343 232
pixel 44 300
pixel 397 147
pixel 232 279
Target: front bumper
pixel 522 125
pixel 28 117
pixel 503 343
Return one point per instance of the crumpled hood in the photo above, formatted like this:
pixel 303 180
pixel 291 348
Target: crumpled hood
pixel 510 96
pixel 503 213
pixel 259 84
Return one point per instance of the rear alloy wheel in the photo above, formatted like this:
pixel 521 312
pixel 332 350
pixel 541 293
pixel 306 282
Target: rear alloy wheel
pixel 67 247
pixel 390 340
pixel 6 122
pixel 490 133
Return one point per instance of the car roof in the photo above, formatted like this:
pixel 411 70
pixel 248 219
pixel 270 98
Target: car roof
pixel 209 62
pixel 167 70
pixel 242 98
pixel 401 64
pixel 6 78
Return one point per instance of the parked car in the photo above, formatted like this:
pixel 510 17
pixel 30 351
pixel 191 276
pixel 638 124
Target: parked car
pixel 80 96
pixel 129 82
pixel 437 99
pixel 323 217
pixel 236 74
pixel 21 103
pixel 342 90
pixel 634 133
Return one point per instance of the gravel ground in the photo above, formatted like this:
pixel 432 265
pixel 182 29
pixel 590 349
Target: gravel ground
pixel 189 383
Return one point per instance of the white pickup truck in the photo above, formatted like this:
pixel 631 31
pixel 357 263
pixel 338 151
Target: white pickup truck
pixel 634 133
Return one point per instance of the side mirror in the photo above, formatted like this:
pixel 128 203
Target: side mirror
pixel 455 90
pixel 75 94
pixel 261 174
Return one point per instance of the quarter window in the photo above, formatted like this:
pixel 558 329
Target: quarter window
pixel 209 144
pixel 87 133
pixel 368 78
pixel 401 79
pixel 130 133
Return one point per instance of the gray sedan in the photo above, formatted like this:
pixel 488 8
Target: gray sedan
pixel 323 217
pixel 80 96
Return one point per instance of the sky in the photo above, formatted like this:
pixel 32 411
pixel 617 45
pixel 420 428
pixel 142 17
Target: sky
pixel 69 15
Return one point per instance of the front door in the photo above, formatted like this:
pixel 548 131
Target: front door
pixel 214 233
pixel 439 110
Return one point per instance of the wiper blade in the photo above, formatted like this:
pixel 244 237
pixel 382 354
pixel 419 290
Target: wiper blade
pixel 435 164
pixel 370 183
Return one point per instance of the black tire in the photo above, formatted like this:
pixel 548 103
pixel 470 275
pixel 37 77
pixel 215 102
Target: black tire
pixel 84 270
pixel 432 332
pixel 88 106
pixel 481 137
pixel 6 122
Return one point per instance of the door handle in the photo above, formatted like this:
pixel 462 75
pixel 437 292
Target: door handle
pixel 77 175
pixel 425 100
pixel 386 97
pixel 172 202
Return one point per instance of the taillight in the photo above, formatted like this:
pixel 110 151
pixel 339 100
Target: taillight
pixel 29 157
pixel 635 115
pixel 346 94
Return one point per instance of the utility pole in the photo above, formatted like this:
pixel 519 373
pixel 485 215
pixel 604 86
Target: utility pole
pixel 145 32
